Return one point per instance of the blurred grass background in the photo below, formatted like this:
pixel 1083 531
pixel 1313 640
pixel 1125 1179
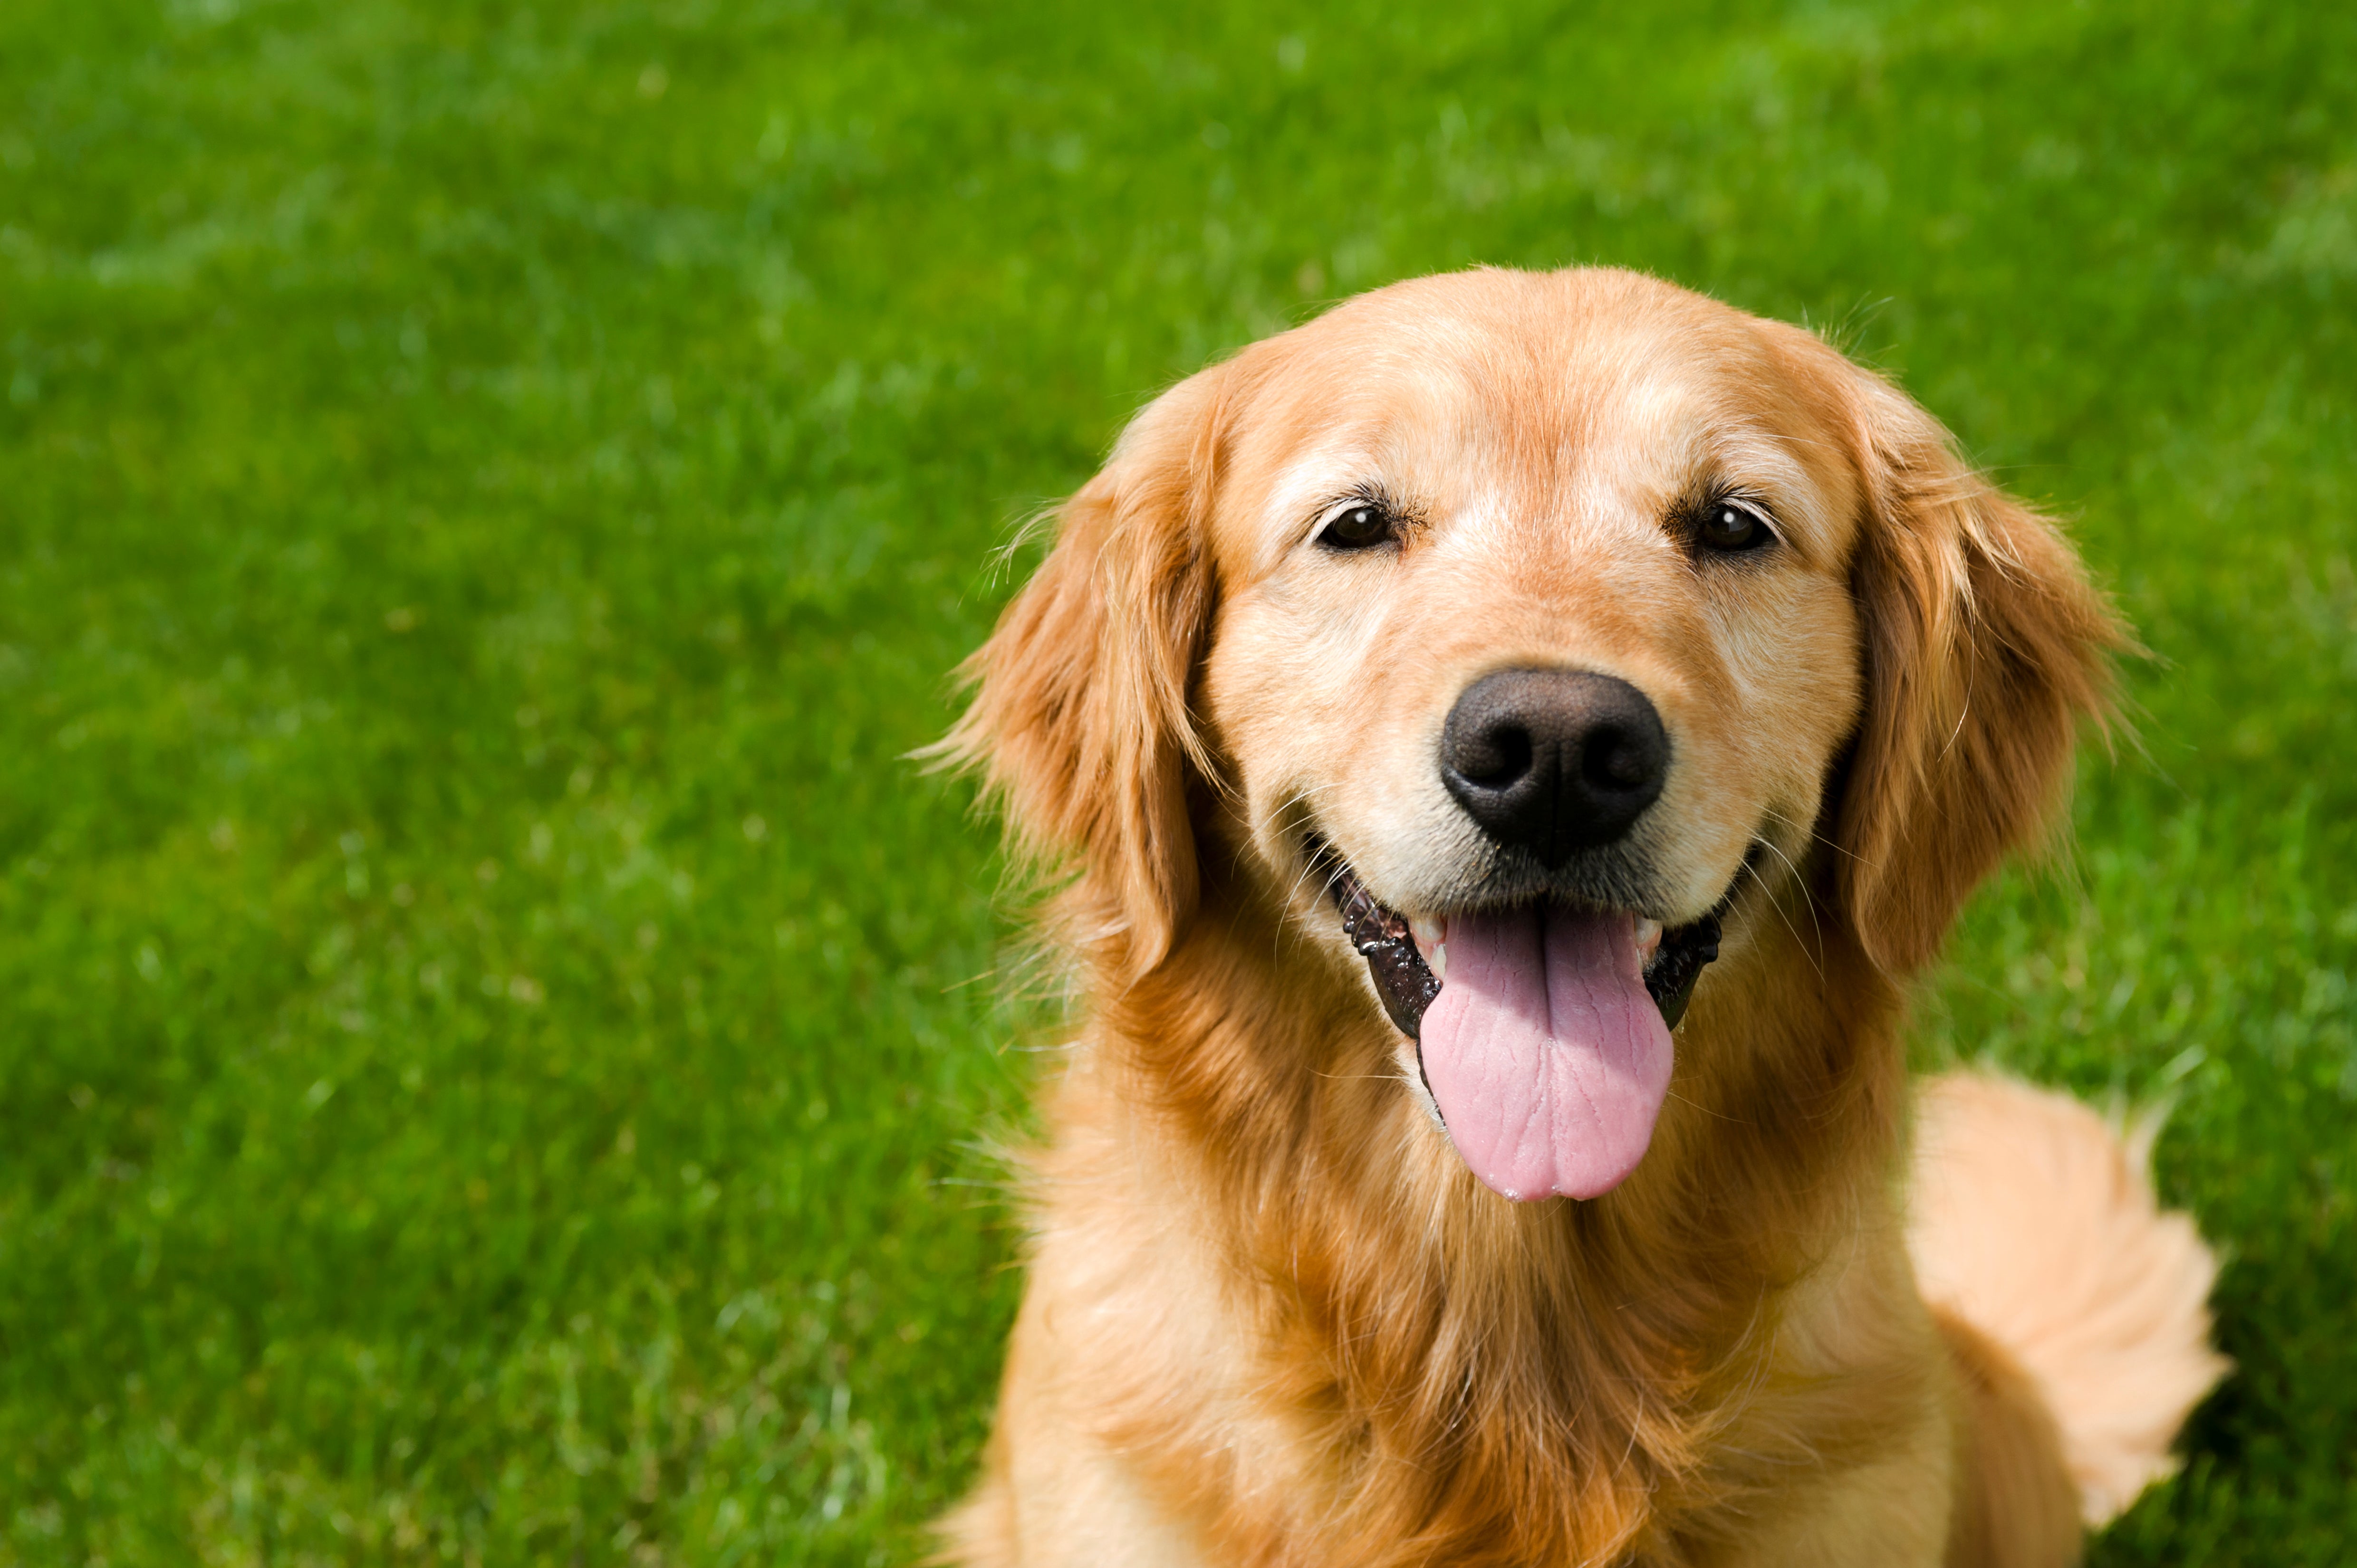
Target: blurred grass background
pixel 495 1045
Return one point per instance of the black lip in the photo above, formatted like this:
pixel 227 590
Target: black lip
pixel 1404 981
pixel 1407 985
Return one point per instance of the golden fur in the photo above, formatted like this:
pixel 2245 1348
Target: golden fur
pixel 1272 1318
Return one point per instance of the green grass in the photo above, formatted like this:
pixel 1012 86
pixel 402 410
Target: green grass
pixel 497 1050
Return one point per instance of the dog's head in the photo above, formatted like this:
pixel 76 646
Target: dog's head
pixel 1514 630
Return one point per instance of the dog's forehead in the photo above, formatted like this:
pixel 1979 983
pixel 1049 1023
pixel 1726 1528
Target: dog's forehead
pixel 1546 400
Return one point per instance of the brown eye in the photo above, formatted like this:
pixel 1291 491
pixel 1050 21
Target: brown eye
pixel 1362 525
pixel 1731 527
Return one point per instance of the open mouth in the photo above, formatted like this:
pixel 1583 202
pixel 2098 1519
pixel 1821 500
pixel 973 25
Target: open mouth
pixel 1542 1031
pixel 1399 956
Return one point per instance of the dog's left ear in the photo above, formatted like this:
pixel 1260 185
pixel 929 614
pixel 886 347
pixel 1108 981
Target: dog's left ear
pixel 1985 645
pixel 1079 720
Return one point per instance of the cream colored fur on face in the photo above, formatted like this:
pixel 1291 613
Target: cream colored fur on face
pixel 1272 1319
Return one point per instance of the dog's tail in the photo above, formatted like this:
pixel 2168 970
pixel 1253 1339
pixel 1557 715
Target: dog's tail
pixel 2061 1284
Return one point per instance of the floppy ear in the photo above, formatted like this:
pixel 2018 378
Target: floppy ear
pixel 1080 721
pixel 1985 645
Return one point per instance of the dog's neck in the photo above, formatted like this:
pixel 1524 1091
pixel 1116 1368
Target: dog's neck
pixel 1463 1343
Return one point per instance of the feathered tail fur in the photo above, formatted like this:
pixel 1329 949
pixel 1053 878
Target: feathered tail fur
pixel 2076 1308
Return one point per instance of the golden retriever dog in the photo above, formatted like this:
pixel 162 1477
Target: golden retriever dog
pixel 1512 740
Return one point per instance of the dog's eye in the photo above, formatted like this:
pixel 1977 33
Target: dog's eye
pixel 1730 527
pixel 1362 525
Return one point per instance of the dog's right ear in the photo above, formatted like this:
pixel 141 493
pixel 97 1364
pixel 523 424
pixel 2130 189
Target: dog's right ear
pixel 1080 721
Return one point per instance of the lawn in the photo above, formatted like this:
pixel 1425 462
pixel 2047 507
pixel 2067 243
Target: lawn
pixel 500 1055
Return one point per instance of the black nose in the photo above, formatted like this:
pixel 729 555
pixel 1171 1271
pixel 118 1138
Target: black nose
pixel 1553 760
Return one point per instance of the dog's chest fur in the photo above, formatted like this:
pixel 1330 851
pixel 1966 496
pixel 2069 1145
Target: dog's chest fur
pixel 1295 1331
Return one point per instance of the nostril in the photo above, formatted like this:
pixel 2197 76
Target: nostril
pixel 1616 760
pixel 1497 755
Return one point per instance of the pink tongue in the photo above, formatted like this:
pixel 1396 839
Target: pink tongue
pixel 1546 1055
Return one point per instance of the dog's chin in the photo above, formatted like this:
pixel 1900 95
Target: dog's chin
pixel 1541 1030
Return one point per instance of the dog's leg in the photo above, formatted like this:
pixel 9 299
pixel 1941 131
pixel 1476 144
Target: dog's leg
pixel 980 1531
pixel 1890 1513
pixel 2015 1505
pixel 1119 1329
pixel 2073 1305
pixel 1052 1496
pixel 1860 1407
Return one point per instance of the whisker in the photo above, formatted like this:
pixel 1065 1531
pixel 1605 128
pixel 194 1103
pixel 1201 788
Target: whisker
pixel 1807 898
pixel 1723 1116
pixel 1815 837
